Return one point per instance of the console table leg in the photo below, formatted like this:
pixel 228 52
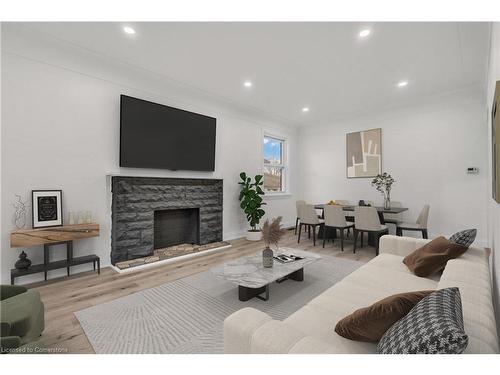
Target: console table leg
pixel 98 266
pixel 45 260
pixel 69 254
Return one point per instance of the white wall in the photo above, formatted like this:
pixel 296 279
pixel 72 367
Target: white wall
pixel 426 148
pixel 60 130
pixel 493 207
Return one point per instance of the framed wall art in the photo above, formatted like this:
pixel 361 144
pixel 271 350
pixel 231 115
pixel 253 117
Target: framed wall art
pixel 364 153
pixel 47 208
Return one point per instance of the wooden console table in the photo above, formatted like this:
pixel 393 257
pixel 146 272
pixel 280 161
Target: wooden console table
pixel 48 237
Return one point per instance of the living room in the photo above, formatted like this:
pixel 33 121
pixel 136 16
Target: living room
pixel 209 187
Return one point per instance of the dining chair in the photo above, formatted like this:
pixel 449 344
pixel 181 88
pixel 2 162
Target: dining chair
pixel 298 207
pixel 419 226
pixel 394 218
pixel 309 218
pixel 366 219
pixel 335 219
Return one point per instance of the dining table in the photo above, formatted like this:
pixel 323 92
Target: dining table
pixel 381 210
pixel 350 208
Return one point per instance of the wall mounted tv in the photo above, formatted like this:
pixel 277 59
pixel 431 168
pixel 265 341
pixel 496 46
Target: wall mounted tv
pixel 157 136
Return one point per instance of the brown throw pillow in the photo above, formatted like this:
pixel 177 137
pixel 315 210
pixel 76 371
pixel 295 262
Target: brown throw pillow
pixel 370 323
pixel 432 257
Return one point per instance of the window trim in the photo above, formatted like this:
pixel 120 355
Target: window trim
pixel 284 163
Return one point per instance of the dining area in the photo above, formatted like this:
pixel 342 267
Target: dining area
pixel 345 221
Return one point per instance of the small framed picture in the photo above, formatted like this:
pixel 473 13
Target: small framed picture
pixel 47 208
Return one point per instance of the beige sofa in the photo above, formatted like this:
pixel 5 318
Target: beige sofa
pixel 311 329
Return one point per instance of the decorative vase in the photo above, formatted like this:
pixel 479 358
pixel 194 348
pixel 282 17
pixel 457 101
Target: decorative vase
pixel 23 262
pixel 20 220
pixel 267 257
pixel 387 202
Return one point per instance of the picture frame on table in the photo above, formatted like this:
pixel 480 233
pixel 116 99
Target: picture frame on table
pixel 46 208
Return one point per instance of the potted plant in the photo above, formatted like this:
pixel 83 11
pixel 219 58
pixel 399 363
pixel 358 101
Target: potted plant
pixel 251 203
pixel 271 233
pixel 383 183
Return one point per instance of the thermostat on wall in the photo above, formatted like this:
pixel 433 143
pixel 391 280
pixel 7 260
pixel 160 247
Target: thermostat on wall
pixel 473 170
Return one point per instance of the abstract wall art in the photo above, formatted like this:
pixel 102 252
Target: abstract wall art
pixel 364 153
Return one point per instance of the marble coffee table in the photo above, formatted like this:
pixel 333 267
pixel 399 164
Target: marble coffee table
pixel 253 279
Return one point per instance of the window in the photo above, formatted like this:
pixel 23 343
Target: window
pixel 274 164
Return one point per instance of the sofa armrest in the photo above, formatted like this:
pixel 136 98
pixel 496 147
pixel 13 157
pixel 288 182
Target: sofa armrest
pixel 401 246
pixel 252 331
pixel 239 328
pixel 7 291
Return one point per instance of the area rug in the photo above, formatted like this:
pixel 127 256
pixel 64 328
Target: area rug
pixel 187 315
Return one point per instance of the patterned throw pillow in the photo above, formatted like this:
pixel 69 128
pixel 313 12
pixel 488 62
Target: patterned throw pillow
pixel 464 237
pixel 434 326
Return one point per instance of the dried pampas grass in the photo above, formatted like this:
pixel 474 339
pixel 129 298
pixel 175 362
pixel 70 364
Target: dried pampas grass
pixel 272 232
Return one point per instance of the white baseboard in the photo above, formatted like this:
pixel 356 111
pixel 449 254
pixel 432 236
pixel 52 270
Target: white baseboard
pixel 168 261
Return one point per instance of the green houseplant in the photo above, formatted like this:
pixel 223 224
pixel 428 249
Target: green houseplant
pixel 251 203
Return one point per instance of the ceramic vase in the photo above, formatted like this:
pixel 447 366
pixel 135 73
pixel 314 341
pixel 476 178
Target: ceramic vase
pixel 267 257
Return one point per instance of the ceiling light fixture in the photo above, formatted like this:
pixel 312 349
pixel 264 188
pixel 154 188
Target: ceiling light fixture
pixel 305 109
pixel 402 83
pixel 247 84
pixel 364 33
pixel 128 30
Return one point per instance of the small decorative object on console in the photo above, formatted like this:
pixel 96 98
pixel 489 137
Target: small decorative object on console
pixel 47 208
pixel 23 262
pixel 20 213
pixel 271 233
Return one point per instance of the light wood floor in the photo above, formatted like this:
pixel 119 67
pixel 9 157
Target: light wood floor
pixel 63 296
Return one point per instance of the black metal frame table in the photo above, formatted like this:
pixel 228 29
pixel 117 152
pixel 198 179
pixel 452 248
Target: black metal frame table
pixel 65 263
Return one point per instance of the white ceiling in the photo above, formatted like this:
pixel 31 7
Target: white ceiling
pixel 324 66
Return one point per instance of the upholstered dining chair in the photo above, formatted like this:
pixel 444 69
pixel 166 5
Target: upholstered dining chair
pixel 335 219
pixel 419 226
pixel 309 218
pixel 366 219
pixel 298 207
pixel 394 218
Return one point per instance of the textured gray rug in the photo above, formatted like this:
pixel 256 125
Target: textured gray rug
pixel 186 315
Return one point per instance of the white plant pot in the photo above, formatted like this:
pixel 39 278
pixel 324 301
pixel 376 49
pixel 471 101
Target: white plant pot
pixel 254 235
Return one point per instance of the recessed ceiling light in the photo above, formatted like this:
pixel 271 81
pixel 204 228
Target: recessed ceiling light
pixel 305 109
pixel 248 84
pixel 402 83
pixel 364 33
pixel 128 30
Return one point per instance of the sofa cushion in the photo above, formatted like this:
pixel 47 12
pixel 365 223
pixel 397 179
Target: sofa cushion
pixel 432 257
pixel 370 323
pixel 464 237
pixel 434 326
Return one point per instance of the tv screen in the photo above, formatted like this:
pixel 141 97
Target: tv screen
pixel 157 136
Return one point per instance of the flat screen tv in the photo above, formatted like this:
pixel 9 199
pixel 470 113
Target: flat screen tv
pixel 157 136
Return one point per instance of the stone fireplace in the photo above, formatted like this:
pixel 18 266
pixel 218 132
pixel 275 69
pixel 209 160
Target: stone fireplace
pixel 149 213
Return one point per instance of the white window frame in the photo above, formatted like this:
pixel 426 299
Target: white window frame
pixel 284 163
